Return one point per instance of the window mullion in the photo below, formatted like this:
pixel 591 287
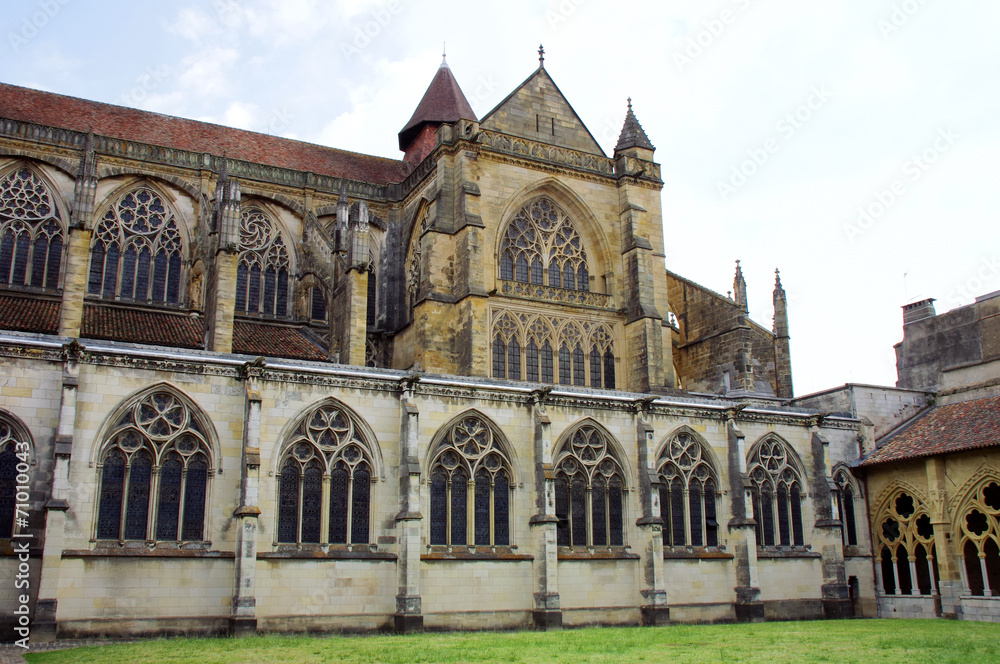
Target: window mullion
pixel 687 514
pixel 324 510
pixel 895 569
pixel 125 486
pixel 987 591
pixel 154 490
pixel 447 531
pixel 588 507
pixel 298 522
pixel 350 506
pixel 491 500
pixel 183 502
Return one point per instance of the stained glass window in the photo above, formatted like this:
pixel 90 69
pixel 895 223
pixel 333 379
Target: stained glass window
pixel 157 441
pixel 31 238
pixel 136 253
pixel 687 491
pixel 470 448
pixel 263 268
pixel 845 488
pixel 328 441
pixel 585 465
pixel 776 496
pixel 541 236
pixel 15 459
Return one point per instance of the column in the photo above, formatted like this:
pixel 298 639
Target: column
pixel 409 616
pixel 243 619
pixel 828 535
pixel 949 554
pixel 654 592
pixel 547 613
pixel 742 528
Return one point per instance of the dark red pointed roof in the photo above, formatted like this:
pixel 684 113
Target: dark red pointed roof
pixel 444 102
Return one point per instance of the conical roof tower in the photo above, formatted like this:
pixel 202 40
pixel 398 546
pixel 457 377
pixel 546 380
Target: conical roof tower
pixel 443 102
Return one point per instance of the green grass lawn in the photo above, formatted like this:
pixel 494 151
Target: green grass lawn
pixel 936 641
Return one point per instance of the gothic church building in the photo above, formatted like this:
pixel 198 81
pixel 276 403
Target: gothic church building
pixel 250 383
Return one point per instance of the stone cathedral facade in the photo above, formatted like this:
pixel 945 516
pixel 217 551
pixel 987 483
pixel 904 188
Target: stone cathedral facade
pixel 253 383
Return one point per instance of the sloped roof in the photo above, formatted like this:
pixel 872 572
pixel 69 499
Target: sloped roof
pixel 253 338
pixel 46 108
pixel 138 326
pixel 632 135
pixel 954 427
pixel 443 102
pixel 29 315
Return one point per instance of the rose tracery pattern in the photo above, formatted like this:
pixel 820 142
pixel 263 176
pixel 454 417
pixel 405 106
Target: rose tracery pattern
pixel 541 246
pixel 471 481
pixel 590 491
pixel 688 484
pixel 263 270
pixel 776 490
pixel 31 238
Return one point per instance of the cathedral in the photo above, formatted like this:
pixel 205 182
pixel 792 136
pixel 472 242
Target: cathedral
pixel 250 383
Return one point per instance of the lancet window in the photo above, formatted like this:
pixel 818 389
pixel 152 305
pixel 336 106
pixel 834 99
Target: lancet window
pixel 137 251
pixel 688 485
pixel 846 502
pixel 263 268
pixel 541 246
pixel 325 480
pixel 776 490
pixel 31 239
pixel 155 471
pixel 979 526
pixel 15 467
pixel 471 484
pixel 904 539
pixel 590 492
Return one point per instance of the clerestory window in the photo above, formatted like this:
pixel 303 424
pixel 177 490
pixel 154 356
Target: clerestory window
pixel 31 237
pixel 262 272
pixel 540 246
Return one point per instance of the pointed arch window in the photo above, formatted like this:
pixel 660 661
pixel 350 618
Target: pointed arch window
pixel 776 492
pixel 471 484
pixel 846 494
pixel 136 253
pixel 979 526
pixel 263 268
pixel 155 472
pixel 590 492
pixel 904 539
pixel 325 480
pixel 688 490
pixel 541 244
pixel 31 235
pixel 15 469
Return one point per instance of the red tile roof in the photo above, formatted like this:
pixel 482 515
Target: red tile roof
pixel 142 327
pixel 46 108
pixel 253 338
pixel 955 427
pixel 443 102
pixel 29 315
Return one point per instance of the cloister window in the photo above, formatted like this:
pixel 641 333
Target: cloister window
pixel 904 538
pixel 541 246
pixel 590 492
pixel 552 350
pixel 137 249
pixel 776 492
pixel 15 464
pixel 154 473
pixel 471 484
pixel 31 239
pixel 846 495
pixel 979 526
pixel 687 493
pixel 325 480
pixel 262 271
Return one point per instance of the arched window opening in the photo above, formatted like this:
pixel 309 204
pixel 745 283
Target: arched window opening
pixel 540 243
pixel 687 493
pixel 263 268
pixel 775 494
pixel 15 467
pixel 979 526
pixel 470 487
pixel 31 237
pixel 905 539
pixel 590 490
pixel 155 471
pixel 317 305
pixel 845 501
pixel 136 254
pixel 327 466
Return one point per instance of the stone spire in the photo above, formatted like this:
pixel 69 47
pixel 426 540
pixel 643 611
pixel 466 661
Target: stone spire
pixel 782 353
pixel 85 190
pixel 227 210
pixel 632 135
pixel 740 289
pixel 341 225
pixel 780 307
pixel 443 102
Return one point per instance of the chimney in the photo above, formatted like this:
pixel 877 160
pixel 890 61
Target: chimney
pixel 918 311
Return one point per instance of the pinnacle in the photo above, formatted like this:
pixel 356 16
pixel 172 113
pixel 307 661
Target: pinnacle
pixel 632 135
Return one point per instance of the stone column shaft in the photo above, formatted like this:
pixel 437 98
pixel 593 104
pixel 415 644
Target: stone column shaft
pixel 742 527
pixel 547 613
pixel 243 619
pixel 654 593
pixel 409 614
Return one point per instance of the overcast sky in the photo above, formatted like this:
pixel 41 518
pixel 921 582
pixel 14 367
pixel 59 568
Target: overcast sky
pixel 854 144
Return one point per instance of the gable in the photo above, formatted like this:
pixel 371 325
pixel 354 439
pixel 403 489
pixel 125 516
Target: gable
pixel 538 111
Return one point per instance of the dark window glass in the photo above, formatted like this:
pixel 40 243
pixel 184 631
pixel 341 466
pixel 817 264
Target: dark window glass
pixel 159 277
pixel 137 510
pixel 241 287
pixel 569 276
pixel 767 517
pixel 269 290
pixel 8 487
pixel 288 502
pixel 796 504
pixel 694 501
pixel 513 360
pixel 711 524
pixel 565 366
pixel 128 273
pixel 506 266
pixel 459 507
pixel 317 310
pixel 39 260
pixel 522 269
pixel 312 501
pixel 599 512
pixel 501 510
pixel 536 271
pixel 174 280
pixel 142 275
pixel 6 256
pixel 579 378
pixel 253 294
pixel 579 517
pixel 439 508
pixel 361 505
pixel 339 484
pixel 110 271
pixel 609 370
pixel 482 506
pixel 847 510
pixel 54 260
pixel 21 260
pixel 616 513
pixel 784 537
pixel 555 276
pixel 595 367
pixel 109 518
pixel 665 514
pixel 546 363
pixel 195 488
pixel 531 361
pixel 583 278
pixel 499 355
pixel 677 512
pixel 562 512
pixel 371 300
pixel 168 510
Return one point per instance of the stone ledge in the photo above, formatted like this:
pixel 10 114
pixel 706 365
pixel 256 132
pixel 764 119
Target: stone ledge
pixel 145 553
pixel 696 554
pixel 465 553
pixel 568 554
pixel 331 554
pixel 787 553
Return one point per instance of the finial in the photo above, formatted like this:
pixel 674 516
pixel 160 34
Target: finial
pixel 541 55
pixel 630 103
pixel 737 262
pixel 444 54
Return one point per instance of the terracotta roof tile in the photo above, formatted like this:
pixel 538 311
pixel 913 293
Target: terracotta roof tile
pixel 953 427
pixel 46 108
pixel 142 327
pixel 443 102
pixel 29 314
pixel 253 338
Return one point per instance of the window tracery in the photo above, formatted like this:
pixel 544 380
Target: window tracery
pixel 776 493
pixel 471 483
pixel 154 473
pixel 15 464
pixel 263 269
pixel 31 237
pixel 687 493
pixel 325 481
pixel 590 492
pixel 845 501
pixel 136 253
pixel 979 526
pixel 904 538
pixel 540 246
